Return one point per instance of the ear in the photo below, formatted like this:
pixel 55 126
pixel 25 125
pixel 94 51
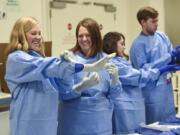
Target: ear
pixel 142 22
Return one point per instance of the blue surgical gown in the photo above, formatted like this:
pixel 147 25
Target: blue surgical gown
pixel 129 107
pixel 91 114
pixel 154 51
pixel 35 92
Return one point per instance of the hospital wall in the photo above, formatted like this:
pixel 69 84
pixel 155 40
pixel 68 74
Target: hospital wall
pixel 125 16
pixel 172 20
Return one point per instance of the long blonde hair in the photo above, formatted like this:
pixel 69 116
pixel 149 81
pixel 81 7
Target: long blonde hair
pixel 18 39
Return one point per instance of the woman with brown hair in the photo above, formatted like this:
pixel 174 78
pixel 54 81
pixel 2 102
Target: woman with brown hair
pixel 91 114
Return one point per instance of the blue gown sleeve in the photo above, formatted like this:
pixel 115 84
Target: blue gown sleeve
pixel 115 91
pixel 65 90
pixel 137 55
pixel 27 68
pixel 166 41
pixel 133 77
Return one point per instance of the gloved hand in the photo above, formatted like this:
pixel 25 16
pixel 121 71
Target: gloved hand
pixel 97 66
pixel 174 54
pixel 87 82
pixel 169 68
pixel 68 56
pixel 113 71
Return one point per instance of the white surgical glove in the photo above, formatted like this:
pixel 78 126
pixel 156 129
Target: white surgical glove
pixel 87 82
pixel 113 71
pixel 97 66
pixel 68 56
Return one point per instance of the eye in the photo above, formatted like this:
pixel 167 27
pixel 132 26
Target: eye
pixel 80 36
pixel 87 36
pixel 33 33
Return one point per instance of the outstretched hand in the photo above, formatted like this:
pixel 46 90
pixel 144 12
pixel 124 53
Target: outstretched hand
pixel 68 56
pixel 98 65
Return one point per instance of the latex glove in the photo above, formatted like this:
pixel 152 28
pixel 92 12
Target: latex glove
pixel 175 53
pixel 169 68
pixel 97 66
pixel 113 71
pixel 67 56
pixel 87 82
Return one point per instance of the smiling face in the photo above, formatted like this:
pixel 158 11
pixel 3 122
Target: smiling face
pixel 84 40
pixel 34 38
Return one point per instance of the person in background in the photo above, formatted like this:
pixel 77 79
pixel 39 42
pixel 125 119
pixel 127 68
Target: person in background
pixel 129 108
pixel 36 81
pixel 91 114
pixel 152 49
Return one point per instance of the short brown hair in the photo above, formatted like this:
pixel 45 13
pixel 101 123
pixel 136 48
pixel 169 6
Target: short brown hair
pixel 146 13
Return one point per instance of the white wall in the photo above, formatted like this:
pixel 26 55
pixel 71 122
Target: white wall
pixel 172 20
pixel 125 16
pixel 13 12
pixel 133 27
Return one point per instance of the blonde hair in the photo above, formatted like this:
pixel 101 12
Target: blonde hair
pixel 18 39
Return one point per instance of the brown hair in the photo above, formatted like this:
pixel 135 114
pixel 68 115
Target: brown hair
pixel 93 28
pixel 110 41
pixel 146 13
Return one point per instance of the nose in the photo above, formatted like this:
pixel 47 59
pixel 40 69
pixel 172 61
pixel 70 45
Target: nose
pixel 38 36
pixel 84 38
